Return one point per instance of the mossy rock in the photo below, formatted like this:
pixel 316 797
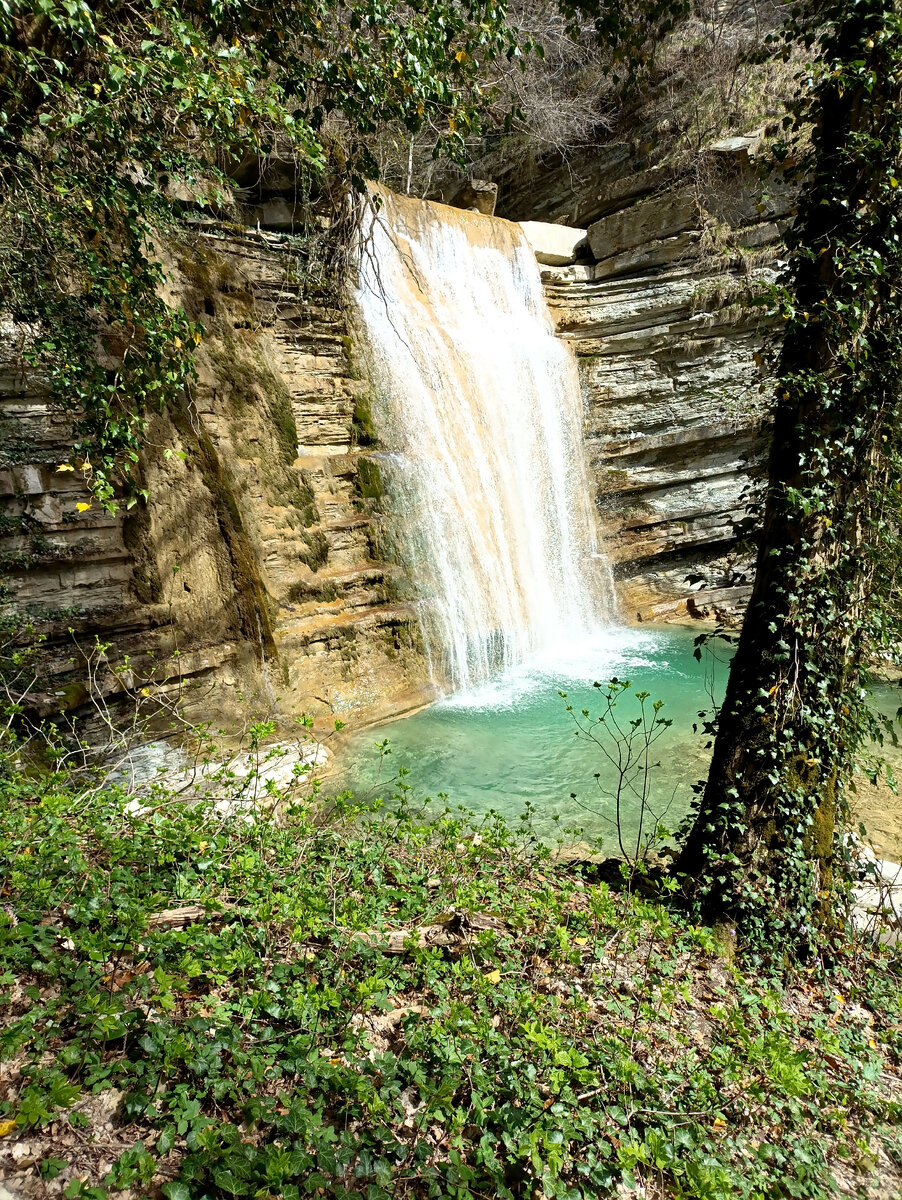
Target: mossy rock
pixel 369 479
pixel 363 432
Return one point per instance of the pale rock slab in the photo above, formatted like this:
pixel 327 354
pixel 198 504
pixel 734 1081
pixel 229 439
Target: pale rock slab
pixel 237 785
pixel 554 245
pixel 877 901
pixel 651 220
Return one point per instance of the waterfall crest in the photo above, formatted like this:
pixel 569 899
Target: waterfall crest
pixel 479 411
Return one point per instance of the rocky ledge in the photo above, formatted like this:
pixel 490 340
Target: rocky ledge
pixel 254 568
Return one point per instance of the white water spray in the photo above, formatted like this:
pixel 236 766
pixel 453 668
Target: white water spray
pixel 479 406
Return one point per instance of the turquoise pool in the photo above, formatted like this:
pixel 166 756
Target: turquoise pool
pixel 512 743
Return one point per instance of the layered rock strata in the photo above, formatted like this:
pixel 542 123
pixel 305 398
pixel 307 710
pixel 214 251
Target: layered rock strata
pixel 253 568
pixel 656 307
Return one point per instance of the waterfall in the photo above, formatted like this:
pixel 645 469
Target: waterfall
pixel 479 413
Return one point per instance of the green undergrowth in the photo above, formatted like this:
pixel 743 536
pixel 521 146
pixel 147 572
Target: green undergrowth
pixel 565 1039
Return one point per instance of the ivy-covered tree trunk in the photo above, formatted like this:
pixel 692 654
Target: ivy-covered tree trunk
pixel 761 852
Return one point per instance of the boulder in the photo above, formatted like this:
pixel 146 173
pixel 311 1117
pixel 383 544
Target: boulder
pixel 476 195
pixel 877 900
pixel 554 245
pixel 236 785
pixel 747 144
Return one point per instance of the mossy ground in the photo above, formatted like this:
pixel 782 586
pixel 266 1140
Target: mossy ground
pixel 558 1038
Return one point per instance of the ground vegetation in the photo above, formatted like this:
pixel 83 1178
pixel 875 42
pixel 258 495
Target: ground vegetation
pixel 382 1001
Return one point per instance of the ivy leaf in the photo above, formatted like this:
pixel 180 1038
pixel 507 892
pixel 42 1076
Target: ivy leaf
pixel 176 1191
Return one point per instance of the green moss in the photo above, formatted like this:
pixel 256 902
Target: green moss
pixel 308 590
pixel 318 553
pixel 369 479
pixel 284 423
pixel 352 367
pixel 209 272
pixel 363 432
pixel 73 695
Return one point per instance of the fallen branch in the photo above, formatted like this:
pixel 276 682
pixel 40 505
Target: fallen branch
pixel 452 931
pixel 178 918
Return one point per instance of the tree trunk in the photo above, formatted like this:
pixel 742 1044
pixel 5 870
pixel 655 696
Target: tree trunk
pixel 761 852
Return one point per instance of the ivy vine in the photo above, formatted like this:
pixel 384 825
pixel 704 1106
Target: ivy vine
pixel 107 108
pixel 765 851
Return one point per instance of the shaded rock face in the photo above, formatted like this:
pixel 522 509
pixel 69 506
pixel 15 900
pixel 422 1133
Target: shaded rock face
pixel 476 195
pixel 670 355
pixel 253 569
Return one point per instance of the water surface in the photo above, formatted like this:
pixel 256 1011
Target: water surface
pixel 511 743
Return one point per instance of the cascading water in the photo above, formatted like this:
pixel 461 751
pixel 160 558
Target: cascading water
pixel 480 411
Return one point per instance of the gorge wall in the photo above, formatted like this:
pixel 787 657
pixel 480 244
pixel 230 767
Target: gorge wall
pixel 655 307
pixel 255 576
pixel 251 580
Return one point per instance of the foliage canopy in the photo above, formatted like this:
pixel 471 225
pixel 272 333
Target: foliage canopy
pixel 107 109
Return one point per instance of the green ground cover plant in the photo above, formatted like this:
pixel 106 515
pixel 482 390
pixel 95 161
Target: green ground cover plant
pixel 384 1000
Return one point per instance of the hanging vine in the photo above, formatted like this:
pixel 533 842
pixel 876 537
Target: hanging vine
pixel 107 108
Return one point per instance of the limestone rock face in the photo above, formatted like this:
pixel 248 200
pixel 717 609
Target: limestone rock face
pixel 554 245
pixel 647 223
pixel 670 355
pixel 253 567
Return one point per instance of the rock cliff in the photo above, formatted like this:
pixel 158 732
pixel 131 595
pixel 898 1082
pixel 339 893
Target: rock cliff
pixel 252 568
pixel 656 309
pixel 256 567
